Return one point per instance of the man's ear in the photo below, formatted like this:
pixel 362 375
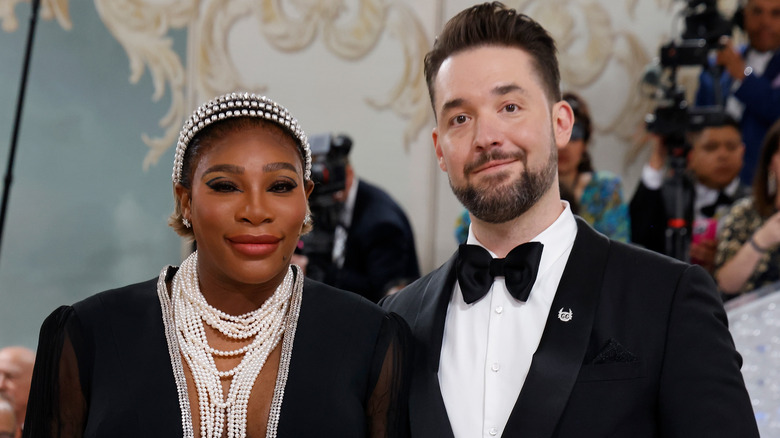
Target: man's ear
pixel 437 149
pixel 563 121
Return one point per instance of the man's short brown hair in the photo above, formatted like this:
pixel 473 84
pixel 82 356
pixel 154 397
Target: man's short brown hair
pixel 493 24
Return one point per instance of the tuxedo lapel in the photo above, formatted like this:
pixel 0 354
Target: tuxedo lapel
pixel 426 405
pixel 558 358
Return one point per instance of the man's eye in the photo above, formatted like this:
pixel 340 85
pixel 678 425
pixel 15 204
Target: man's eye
pixel 511 108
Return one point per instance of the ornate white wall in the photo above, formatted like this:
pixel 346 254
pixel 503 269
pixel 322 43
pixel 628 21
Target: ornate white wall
pixel 112 81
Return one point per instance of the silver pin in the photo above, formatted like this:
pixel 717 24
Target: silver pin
pixel 565 316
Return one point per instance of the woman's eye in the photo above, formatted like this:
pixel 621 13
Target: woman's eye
pixel 283 187
pixel 222 186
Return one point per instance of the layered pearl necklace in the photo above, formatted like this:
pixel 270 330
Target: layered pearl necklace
pixel 185 311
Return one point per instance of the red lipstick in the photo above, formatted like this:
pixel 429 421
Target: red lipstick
pixel 254 246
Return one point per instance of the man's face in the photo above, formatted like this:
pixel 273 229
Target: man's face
pixel 716 156
pixel 497 134
pixel 7 420
pixel 15 377
pixel 762 24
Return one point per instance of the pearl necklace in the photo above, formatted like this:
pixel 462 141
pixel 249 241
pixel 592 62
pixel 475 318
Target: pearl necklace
pixel 184 312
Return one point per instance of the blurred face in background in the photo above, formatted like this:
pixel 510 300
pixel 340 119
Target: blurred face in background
pixel 7 419
pixel 716 156
pixel 570 156
pixel 762 24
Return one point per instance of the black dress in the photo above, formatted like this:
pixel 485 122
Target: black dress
pixel 103 369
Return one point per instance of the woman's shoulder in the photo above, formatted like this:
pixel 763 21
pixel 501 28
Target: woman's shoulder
pixel 126 299
pixel 742 208
pixel 605 178
pixel 338 301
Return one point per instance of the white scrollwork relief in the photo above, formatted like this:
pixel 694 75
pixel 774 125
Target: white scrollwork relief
pixel 141 27
pixel 50 9
pixel 294 25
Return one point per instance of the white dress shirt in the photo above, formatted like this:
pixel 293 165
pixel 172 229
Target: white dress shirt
pixel 488 345
pixel 345 221
pixel 704 196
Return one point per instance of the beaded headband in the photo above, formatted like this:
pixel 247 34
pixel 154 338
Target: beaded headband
pixel 240 105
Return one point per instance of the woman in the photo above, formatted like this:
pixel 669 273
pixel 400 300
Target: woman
pixel 748 256
pixel 596 196
pixel 235 342
pixel 599 194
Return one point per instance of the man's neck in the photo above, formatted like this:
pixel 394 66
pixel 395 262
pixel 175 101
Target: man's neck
pixel 502 238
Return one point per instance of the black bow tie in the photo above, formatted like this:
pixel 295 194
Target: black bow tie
pixel 476 268
pixel 723 199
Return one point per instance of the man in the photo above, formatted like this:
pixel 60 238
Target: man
pixel 751 79
pixel 373 250
pixel 16 366
pixel 708 189
pixel 612 340
pixel 7 418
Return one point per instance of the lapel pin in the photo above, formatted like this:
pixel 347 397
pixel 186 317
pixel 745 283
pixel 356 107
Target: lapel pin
pixel 565 316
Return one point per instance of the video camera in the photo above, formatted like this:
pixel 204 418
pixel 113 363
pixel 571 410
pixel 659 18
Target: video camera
pixel 673 116
pixel 329 155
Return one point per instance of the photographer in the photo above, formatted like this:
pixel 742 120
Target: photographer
pixel 750 81
pixel 709 185
pixel 362 241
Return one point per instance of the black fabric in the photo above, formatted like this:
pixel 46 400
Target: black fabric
pixel 104 369
pixel 379 252
pixel 672 370
pixel 723 200
pixel 476 270
pixel 650 211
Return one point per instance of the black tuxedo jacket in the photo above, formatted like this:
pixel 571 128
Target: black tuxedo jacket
pixel 379 250
pixel 650 211
pixel 647 352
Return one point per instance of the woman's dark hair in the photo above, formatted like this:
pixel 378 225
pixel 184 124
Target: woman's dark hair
pixel 583 128
pixel 765 201
pixel 493 24
pixel 200 143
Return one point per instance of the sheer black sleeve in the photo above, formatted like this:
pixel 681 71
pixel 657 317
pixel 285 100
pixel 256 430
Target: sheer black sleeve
pixel 57 406
pixel 387 409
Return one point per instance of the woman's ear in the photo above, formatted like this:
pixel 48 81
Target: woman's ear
pixel 184 198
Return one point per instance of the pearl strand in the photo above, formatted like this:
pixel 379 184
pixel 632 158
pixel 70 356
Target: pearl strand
pixel 184 314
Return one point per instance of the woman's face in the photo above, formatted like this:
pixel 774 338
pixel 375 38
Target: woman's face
pixel 569 157
pixel 247 205
pixel 774 166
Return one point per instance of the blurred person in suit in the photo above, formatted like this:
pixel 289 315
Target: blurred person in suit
pixel 710 184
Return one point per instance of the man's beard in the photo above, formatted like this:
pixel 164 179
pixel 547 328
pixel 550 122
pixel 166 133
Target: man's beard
pixel 498 203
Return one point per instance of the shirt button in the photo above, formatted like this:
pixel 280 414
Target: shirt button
pixel 493 431
pixel 499 309
pixel 495 367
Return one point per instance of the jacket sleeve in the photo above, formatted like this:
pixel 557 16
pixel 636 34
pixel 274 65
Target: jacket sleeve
pixel 702 392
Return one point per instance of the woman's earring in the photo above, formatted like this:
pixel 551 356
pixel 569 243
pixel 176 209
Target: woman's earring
pixel 307 219
pixel 186 222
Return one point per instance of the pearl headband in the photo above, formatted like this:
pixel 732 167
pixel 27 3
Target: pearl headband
pixel 240 105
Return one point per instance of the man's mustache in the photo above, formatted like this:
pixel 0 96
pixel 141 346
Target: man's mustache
pixel 492 155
